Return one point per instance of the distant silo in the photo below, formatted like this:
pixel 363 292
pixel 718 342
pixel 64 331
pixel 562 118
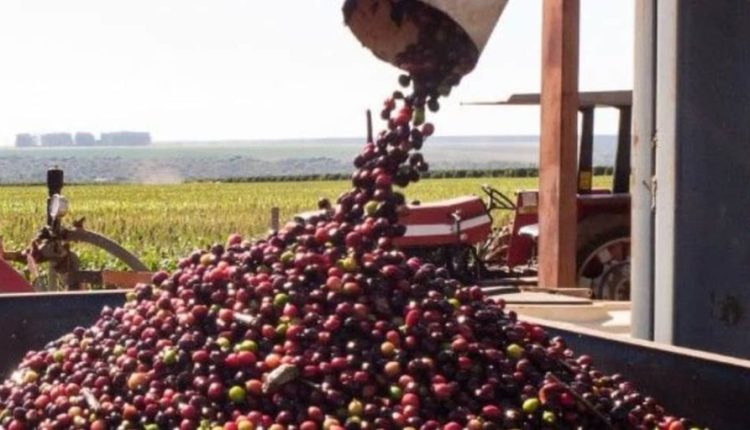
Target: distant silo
pixel 25 140
pixel 57 139
pixel 85 139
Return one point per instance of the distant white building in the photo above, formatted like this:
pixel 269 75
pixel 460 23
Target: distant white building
pixel 82 138
pixel 25 140
pixel 57 139
pixel 85 139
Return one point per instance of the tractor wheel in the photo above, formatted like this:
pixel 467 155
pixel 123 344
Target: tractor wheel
pixel 604 264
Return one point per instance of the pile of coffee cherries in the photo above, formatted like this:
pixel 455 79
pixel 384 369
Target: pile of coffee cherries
pixel 323 324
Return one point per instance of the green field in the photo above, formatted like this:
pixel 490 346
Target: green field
pixel 162 222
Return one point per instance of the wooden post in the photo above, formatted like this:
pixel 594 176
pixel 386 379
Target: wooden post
pixel 557 163
pixel 274 224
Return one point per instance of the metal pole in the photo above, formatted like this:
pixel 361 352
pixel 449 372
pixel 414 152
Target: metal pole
pixel 642 223
pixel 665 168
pixel 586 151
pixel 557 159
pixel 275 216
pixel 55 181
pixel 621 182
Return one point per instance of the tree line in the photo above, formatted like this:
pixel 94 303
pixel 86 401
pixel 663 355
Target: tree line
pixel 514 172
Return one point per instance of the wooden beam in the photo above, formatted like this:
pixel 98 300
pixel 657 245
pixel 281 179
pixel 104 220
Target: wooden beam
pixel 557 160
pixel 125 279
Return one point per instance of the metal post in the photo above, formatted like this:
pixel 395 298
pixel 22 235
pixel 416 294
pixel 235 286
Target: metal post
pixel 55 180
pixel 621 181
pixel 665 168
pixel 557 163
pixel 586 151
pixel 642 161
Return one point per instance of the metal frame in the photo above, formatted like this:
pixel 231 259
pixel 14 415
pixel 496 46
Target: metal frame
pixel 622 100
pixel 115 249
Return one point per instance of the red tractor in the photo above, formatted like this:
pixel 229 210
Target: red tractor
pixel 459 232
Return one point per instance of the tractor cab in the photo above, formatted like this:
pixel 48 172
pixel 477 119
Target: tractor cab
pixel 589 101
pixel 603 242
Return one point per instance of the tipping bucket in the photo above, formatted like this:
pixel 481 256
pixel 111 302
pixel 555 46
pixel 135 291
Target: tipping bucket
pixel 377 24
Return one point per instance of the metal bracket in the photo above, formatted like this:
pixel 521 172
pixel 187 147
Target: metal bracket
pixel 652 186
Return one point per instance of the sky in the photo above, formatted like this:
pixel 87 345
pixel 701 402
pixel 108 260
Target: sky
pixel 251 69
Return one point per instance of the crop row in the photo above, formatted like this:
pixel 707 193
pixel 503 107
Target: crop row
pixel 160 222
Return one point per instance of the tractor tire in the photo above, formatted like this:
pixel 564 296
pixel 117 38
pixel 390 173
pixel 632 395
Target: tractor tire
pixel 605 273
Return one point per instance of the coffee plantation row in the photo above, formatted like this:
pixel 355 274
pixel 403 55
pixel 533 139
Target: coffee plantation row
pixel 161 222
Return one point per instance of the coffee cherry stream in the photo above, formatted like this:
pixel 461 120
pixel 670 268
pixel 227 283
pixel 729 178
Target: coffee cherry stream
pixel 324 324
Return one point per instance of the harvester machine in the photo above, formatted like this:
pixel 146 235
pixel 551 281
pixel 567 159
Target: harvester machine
pixel 49 262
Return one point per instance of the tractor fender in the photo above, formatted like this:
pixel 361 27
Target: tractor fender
pixel 592 229
pixel 11 281
pixel 107 244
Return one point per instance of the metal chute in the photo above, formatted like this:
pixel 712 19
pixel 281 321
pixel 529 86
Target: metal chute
pixel 372 23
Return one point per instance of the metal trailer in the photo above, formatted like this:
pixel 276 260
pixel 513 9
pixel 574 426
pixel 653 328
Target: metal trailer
pixel 709 387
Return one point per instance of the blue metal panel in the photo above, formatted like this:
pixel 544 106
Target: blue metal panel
pixel 709 388
pixel 703 171
pixel 29 321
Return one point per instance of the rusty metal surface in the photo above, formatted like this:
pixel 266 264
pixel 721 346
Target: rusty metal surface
pixel 710 388
pixel 557 160
pixel 125 279
pixel 29 321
